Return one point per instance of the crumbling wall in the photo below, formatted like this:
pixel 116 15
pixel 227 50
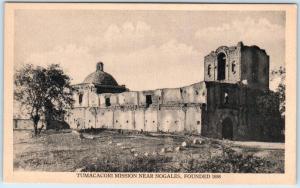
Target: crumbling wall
pixel 195 93
pixel 156 97
pixel 113 100
pixel 128 98
pixel 172 96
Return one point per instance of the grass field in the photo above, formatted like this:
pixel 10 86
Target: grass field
pixel 111 151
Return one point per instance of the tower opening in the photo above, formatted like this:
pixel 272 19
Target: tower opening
pixel 221 66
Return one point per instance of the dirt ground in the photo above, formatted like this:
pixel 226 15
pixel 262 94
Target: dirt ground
pixel 111 151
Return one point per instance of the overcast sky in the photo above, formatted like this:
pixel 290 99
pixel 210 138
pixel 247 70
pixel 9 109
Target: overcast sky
pixel 142 49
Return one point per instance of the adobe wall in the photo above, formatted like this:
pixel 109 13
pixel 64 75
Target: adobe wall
pixel 195 93
pixel 124 119
pixel 171 110
pixel 105 118
pixel 164 119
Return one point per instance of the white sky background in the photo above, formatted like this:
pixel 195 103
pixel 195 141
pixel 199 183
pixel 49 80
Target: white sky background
pixel 142 49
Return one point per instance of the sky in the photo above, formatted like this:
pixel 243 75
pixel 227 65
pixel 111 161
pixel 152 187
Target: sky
pixel 142 49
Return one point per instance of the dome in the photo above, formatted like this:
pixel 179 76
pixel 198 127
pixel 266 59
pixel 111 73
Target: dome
pixel 100 77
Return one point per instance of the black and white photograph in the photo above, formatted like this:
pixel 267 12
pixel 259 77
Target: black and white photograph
pixel 171 93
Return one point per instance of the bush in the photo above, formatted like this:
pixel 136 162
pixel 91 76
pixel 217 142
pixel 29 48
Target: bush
pixel 231 162
pixel 137 164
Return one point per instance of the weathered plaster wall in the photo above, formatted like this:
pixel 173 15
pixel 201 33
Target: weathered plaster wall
pixel 209 67
pixel 151 120
pixel 195 93
pixel 156 96
pixel 105 118
pixel 193 122
pixel 169 111
pixel 128 98
pixel 171 96
pixel 85 90
pixel 93 98
pixel 139 117
pixel 90 117
pixel 171 119
pixel 124 119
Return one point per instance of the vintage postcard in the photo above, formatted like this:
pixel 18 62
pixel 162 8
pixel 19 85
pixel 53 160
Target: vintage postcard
pixel 150 93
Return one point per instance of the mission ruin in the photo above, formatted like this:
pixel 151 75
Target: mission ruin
pixel 223 106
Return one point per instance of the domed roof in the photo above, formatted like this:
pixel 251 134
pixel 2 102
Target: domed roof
pixel 99 77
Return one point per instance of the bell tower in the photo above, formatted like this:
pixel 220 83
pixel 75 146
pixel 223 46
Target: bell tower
pixel 238 64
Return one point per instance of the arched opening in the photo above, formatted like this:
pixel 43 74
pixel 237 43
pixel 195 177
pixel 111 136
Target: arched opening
pixel 221 66
pixel 227 129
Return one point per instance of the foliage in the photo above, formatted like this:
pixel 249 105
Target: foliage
pixel 267 104
pixel 65 151
pixel 231 162
pixel 133 164
pixel 281 73
pixel 44 91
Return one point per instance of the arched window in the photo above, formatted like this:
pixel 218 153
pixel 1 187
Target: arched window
pixel 221 66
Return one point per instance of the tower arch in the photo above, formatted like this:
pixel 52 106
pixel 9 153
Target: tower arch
pixel 221 65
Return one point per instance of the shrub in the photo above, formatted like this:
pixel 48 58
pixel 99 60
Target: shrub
pixel 231 162
pixel 131 164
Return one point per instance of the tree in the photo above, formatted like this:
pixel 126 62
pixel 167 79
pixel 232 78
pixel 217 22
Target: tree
pixel 280 90
pixel 43 90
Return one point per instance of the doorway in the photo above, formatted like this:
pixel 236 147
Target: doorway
pixel 227 129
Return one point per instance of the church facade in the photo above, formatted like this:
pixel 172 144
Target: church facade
pixel 223 106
